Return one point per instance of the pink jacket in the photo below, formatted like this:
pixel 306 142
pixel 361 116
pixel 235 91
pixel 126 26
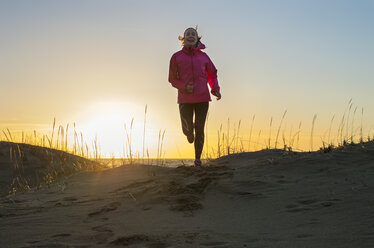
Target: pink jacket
pixel 193 65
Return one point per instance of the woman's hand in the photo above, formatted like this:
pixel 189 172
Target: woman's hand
pixel 217 94
pixel 189 87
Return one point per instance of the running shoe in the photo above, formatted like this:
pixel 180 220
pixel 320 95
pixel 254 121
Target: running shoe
pixel 197 162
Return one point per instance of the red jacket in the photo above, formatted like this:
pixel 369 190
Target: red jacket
pixel 193 65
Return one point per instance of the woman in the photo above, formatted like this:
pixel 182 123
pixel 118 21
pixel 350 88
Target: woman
pixel 191 70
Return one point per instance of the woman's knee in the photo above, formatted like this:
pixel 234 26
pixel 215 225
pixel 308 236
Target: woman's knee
pixel 199 128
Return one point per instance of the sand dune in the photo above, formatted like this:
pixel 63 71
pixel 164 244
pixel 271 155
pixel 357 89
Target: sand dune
pixel 23 166
pixel 269 198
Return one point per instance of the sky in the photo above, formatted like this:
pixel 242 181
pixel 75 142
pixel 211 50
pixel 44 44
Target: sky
pixel 99 63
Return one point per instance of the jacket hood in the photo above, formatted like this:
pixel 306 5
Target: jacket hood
pixel 200 46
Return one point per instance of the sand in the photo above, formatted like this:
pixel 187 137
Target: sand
pixel 269 198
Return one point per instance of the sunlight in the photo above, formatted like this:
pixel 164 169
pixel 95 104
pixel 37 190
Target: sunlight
pixel 106 120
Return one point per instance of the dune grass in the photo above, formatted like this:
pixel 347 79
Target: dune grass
pixel 348 132
pixel 59 153
pixel 232 140
pixel 35 166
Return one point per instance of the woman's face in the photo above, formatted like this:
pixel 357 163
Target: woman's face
pixel 190 37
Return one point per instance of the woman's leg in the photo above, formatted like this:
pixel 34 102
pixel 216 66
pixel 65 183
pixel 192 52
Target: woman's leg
pixel 201 110
pixel 186 113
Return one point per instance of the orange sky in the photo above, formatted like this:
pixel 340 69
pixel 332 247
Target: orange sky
pixel 99 63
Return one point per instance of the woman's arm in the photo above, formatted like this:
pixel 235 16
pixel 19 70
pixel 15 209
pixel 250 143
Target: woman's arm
pixel 173 75
pixel 212 77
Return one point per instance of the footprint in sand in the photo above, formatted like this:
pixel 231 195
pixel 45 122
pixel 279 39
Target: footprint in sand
pixel 134 185
pixel 107 208
pixel 102 234
pixel 190 237
pixel 89 200
pixel 292 208
pixel 309 204
pixel 137 239
pixel 250 194
pixel 61 235
pixel 214 244
pixel 70 198
pixel 66 201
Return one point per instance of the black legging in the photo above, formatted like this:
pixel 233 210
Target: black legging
pixel 186 111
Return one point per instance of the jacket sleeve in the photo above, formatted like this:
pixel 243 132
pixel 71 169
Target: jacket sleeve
pixel 212 76
pixel 174 76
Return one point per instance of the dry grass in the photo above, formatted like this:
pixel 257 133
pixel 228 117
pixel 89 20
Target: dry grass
pixel 232 140
pixel 32 166
pixel 61 158
pixel 348 132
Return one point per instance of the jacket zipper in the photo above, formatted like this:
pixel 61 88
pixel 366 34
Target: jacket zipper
pixel 193 75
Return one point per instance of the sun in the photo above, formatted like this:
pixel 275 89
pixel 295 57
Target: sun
pixel 106 120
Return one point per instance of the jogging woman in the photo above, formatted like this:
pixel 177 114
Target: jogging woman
pixel 190 71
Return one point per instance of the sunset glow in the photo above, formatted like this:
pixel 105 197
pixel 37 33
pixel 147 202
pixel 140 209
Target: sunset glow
pixel 99 63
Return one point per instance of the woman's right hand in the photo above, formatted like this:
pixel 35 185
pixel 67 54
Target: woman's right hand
pixel 189 87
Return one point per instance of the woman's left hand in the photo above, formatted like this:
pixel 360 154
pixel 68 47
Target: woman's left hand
pixel 217 94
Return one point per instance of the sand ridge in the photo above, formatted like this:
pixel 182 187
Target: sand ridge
pixel 270 198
